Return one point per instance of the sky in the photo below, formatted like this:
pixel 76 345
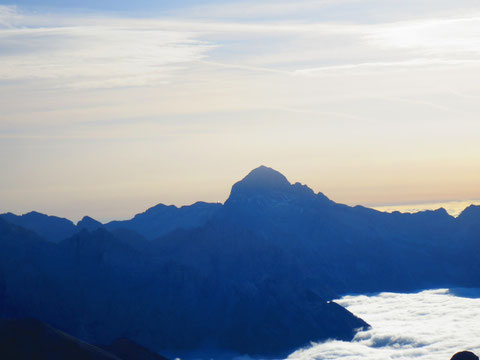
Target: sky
pixel 110 107
pixel 407 326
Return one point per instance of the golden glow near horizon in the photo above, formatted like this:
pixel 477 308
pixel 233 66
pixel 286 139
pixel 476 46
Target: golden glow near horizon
pixel 454 207
pixel 369 102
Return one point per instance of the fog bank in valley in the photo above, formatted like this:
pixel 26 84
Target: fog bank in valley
pixel 430 325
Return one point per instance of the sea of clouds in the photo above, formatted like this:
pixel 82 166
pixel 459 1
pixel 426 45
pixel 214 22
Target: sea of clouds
pixel 432 324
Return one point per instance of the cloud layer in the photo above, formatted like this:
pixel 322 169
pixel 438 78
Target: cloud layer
pixel 429 325
pixel 105 51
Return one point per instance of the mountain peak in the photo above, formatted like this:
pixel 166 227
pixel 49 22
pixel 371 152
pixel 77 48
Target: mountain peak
pixel 470 214
pixel 264 177
pixel 89 224
pixel 260 181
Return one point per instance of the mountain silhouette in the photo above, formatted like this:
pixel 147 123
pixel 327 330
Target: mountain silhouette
pixel 87 223
pixel 161 219
pixel 260 180
pixel 51 228
pixel 253 276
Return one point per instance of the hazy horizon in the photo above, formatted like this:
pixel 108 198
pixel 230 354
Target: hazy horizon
pixel 453 207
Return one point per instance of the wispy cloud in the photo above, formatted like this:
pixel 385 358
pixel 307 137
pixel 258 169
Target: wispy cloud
pixel 427 64
pixel 94 56
pixel 106 52
pixel 436 37
pixel 8 14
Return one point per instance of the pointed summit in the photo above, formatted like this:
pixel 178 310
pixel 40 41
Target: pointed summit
pixel 89 224
pixel 471 214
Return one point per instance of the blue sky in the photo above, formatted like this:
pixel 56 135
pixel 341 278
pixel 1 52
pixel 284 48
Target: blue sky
pixel 139 5
pixel 116 106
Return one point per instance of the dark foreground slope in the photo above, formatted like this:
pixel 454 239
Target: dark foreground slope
pixel 251 276
pixel 127 349
pixel 28 339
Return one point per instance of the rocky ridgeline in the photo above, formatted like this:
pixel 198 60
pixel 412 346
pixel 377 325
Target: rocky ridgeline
pixel 255 275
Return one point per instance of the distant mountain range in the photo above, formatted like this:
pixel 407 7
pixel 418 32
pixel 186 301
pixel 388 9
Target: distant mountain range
pixel 254 276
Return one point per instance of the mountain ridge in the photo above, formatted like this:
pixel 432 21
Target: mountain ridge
pixel 265 264
pixel 254 186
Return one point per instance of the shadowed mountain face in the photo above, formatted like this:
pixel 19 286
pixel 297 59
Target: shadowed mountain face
pixel 252 276
pixel 350 249
pixel 127 349
pixel 232 299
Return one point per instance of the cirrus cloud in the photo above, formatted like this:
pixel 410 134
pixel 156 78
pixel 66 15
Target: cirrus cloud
pixel 93 54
